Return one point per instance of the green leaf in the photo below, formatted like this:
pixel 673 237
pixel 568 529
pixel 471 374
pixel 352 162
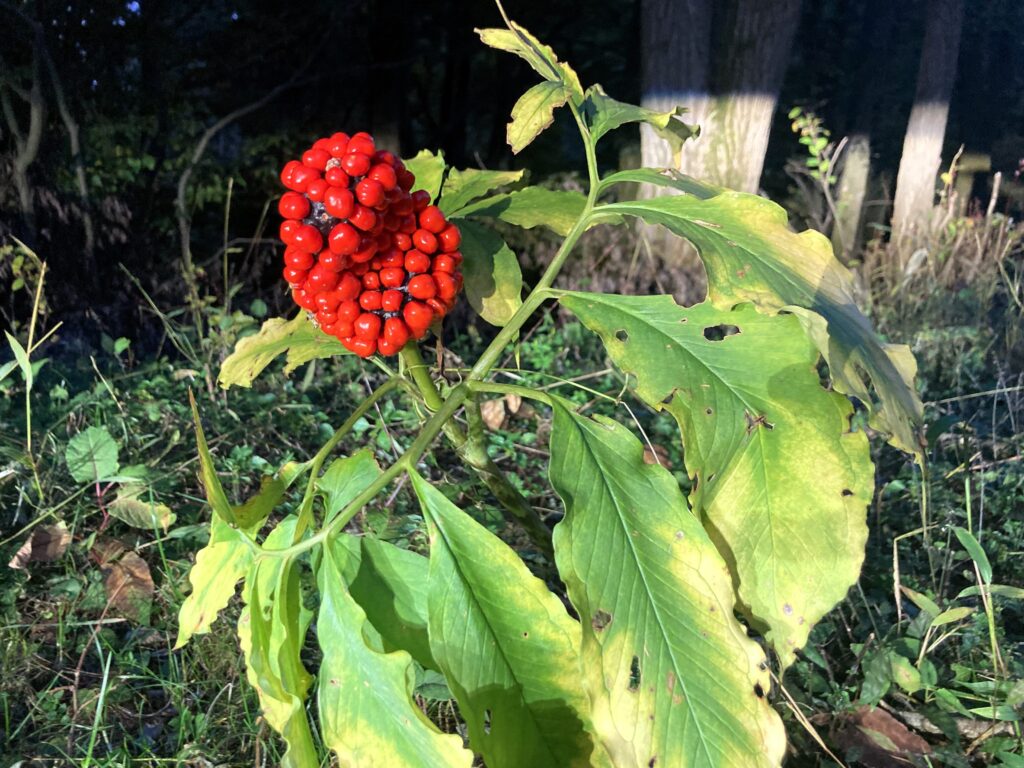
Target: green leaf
pixel 21 358
pixel 781 481
pixel 999 590
pixel 218 568
pixel 517 40
pixel 390 584
pixel 534 112
pixel 272 630
pixel 345 479
pixel 140 513
pixel 254 512
pixel 671 675
pixel 751 254
pixel 428 169
pixel 507 647
pixel 367 716
pixel 952 616
pixel 605 114
pixel 558 210
pixel 298 337
pixel 662 177
pixel 493 280
pixel 91 455
pixel 904 674
pixel 923 602
pixel 977 554
pixel 208 473
pixel 462 187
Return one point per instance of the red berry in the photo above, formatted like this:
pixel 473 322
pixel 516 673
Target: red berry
pixel 367 326
pixel 450 238
pixel 292 205
pixel 367 250
pixel 392 277
pixel 301 176
pixel 328 301
pixel 316 158
pixel 370 301
pixel 363 218
pixel 383 156
pixel 348 311
pixel 324 144
pixel 384 175
pixel 424 240
pixel 334 262
pixel 432 220
pixel 315 190
pixel 362 142
pixel 420 200
pixel 321 279
pixel 417 261
pixel 349 287
pixel 402 241
pixel 370 192
pixel 392 257
pixel 294 275
pixel 308 238
pixel 405 179
pixel 445 286
pixel 403 207
pixel 339 144
pixel 444 263
pixel 355 163
pixel 288 173
pixel 396 332
pixel 371 281
pixel 339 202
pixel 391 301
pixel 344 239
pixel 336 177
pixel 304 299
pixel 293 257
pixel 437 306
pixel 362 346
pixel 288 229
pixel 422 287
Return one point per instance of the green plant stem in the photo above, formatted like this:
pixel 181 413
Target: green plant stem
pixel 488 359
pixel 472 449
pixel 317 462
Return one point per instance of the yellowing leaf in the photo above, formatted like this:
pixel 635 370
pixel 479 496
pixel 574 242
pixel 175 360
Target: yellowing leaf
pixel 605 114
pixel 367 716
pixel 218 568
pixel 463 187
pixel 298 337
pixel 517 40
pixel 672 677
pixel 782 482
pixel 751 254
pixel 507 647
pixel 534 112
pixel 129 508
pixel 556 209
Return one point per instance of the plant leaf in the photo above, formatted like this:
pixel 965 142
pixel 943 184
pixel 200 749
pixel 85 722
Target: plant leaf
pixel 367 716
pixel 257 508
pixel 139 513
pixel 977 554
pixel 298 337
pixel 517 40
pixel 390 584
pixel 345 479
pixel 605 114
pixel 129 587
pixel 672 677
pixel 429 171
pixel 534 112
pixel 21 359
pixel 662 177
pixel 463 187
pixel 493 280
pixel 750 254
pixel 46 544
pixel 91 455
pixel 781 481
pixel 208 473
pixel 556 209
pixel 507 648
pixel 218 568
pixel 272 630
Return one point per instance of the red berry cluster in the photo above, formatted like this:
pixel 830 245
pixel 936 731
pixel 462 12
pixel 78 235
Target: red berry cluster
pixel 376 264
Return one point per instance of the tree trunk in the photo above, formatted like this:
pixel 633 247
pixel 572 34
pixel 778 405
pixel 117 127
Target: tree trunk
pixel 850 194
pixel 756 38
pixel 731 96
pixel 26 142
pixel 922 145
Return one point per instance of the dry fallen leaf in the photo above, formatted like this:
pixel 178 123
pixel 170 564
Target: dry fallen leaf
pixel 130 587
pixel 659 455
pixel 880 739
pixel 46 544
pixel 493 413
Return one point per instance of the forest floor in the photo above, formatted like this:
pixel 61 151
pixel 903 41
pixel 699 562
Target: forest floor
pixel 87 671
